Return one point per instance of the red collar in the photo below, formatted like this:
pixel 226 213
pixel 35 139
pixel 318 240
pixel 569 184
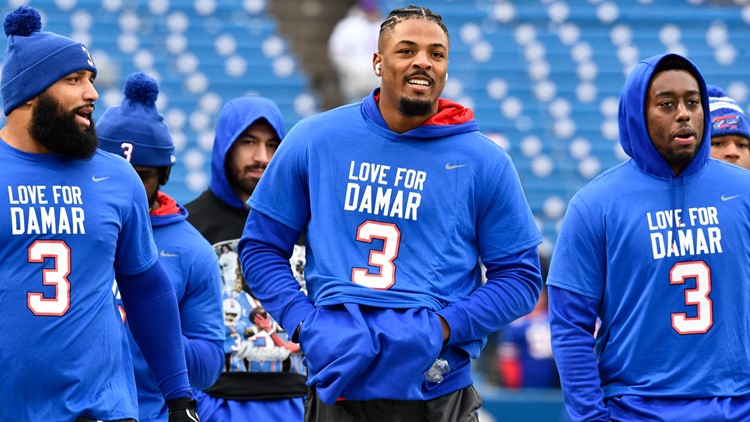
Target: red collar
pixel 449 113
pixel 167 205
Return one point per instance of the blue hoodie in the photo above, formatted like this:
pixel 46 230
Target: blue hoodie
pixel 219 213
pixel 662 261
pixel 236 116
pixel 193 268
pixel 394 225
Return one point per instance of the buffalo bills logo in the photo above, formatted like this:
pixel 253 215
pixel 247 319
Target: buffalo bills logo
pixel 726 122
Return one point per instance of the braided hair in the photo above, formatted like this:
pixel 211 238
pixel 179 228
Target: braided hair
pixel 410 12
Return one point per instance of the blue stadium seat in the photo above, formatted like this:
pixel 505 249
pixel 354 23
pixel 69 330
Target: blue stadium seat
pixel 579 51
pixel 550 70
pixel 228 51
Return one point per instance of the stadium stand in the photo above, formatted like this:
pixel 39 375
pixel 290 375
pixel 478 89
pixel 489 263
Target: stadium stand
pixel 543 76
pixel 203 53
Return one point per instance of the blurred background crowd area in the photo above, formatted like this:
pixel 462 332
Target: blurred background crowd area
pixel 542 76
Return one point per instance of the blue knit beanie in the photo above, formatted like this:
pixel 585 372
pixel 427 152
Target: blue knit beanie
pixel 136 130
pixel 727 117
pixel 35 60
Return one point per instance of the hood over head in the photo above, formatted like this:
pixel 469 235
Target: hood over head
pixel 633 128
pixel 236 116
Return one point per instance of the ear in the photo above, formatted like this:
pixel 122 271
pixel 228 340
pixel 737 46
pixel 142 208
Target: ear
pixel 376 60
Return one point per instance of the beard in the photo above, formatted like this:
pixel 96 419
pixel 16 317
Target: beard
pixel 676 156
pixel 410 107
pixel 57 130
pixel 241 182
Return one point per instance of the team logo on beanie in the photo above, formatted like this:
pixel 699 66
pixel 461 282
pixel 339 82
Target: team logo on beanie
pixel 726 122
pixel 727 117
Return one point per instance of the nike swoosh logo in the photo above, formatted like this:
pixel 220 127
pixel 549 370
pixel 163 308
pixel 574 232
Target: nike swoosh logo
pixel 98 179
pixel 727 198
pixel 448 166
pixel 167 254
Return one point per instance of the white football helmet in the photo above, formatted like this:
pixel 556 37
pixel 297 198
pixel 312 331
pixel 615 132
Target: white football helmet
pixel 232 311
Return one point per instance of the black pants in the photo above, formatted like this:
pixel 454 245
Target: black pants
pixel 459 406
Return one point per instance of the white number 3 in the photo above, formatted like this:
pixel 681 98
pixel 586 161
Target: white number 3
pixel 383 259
pixel 698 296
pixel 59 304
pixel 127 150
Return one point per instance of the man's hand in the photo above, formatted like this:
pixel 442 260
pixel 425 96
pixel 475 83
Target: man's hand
pixel 182 410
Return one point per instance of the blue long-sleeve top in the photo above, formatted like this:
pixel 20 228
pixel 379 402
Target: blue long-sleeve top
pixel 193 269
pixel 382 233
pixel 660 259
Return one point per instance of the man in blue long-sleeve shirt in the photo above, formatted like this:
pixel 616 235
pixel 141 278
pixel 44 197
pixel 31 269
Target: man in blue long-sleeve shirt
pixel 657 249
pixel 398 196
pixel 74 219
pixel 136 131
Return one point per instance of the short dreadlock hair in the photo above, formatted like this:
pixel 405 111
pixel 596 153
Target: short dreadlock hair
pixel 411 12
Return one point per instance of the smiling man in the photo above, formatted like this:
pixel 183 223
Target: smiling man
pixel 398 196
pixel 656 249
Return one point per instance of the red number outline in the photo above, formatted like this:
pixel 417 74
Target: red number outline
pixel 697 296
pixel 382 259
pixel 56 276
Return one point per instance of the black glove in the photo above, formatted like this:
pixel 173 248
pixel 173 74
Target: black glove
pixel 182 410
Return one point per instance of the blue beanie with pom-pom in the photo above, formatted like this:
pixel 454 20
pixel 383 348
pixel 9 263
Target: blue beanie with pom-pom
pixel 135 129
pixel 35 59
pixel 727 117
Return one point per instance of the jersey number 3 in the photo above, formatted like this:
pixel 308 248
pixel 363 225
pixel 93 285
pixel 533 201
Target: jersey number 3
pixel 698 297
pixel 382 259
pixel 59 304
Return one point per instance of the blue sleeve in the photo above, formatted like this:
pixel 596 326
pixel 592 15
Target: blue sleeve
pixel 148 297
pixel 204 361
pixel 504 221
pixel 283 192
pixel 511 291
pixel 579 261
pixel 136 250
pixel 573 321
pixel 201 318
pixel 265 248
